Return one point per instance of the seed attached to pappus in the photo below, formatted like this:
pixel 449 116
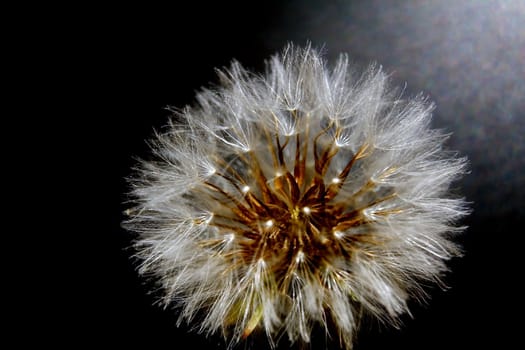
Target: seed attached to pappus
pixel 304 196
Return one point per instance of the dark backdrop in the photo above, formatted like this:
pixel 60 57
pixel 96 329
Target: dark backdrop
pixel 468 56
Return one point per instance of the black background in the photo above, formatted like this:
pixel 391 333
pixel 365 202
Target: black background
pixel 131 62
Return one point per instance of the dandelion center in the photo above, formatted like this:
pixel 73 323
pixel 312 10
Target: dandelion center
pixel 293 221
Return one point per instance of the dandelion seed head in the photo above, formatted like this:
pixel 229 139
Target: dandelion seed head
pixel 338 234
pixel 305 195
pixel 299 258
pixel 229 237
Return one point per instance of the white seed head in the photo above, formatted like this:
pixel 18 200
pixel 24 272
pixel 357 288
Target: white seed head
pixel 304 195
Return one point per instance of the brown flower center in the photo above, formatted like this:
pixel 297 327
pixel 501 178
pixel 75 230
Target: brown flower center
pixel 295 222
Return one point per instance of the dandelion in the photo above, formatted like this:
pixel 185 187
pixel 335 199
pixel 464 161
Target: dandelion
pixel 304 196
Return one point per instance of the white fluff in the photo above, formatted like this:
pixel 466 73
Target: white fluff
pixel 205 164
